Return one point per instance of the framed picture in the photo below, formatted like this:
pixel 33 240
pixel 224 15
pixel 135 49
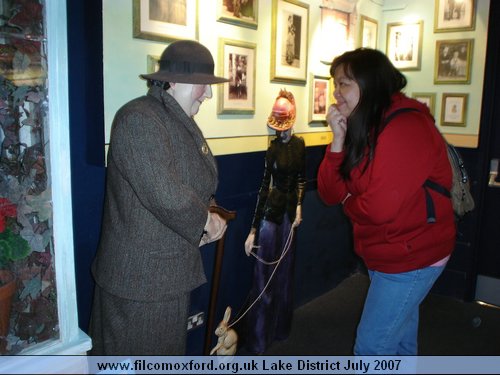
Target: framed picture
pixel 454 15
pixel 404 44
pixel 453 109
pixel 334 22
pixel 428 98
pixel 164 20
pixel 319 98
pixel 239 13
pixel 368 32
pixel 238 64
pixel 290 25
pixel 453 61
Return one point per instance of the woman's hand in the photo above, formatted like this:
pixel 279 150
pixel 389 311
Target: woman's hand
pixel 338 124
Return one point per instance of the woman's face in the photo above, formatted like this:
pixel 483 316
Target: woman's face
pixel 190 96
pixel 346 92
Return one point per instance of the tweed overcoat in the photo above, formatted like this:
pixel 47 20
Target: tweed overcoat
pixel 160 177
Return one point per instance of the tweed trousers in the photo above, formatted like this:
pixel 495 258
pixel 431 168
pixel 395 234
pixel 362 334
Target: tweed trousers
pixel 112 333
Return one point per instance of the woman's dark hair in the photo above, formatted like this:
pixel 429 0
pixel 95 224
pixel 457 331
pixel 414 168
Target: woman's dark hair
pixel 378 80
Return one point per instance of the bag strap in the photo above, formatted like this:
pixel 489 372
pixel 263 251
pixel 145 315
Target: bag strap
pixel 429 203
pixel 397 112
pixel 454 153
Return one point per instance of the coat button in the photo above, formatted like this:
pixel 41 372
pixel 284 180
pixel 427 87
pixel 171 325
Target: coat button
pixel 204 149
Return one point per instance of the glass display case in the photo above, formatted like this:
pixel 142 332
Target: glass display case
pixel 38 313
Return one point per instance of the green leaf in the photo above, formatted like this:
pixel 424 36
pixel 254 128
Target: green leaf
pixel 13 247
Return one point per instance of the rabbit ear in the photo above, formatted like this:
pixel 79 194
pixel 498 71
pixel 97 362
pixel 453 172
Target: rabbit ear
pixel 227 314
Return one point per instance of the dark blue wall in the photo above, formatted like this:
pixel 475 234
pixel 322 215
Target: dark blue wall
pixel 86 115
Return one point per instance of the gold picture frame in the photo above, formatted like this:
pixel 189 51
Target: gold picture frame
pixel 319 98
pixel 290 29
pixel 404 44
pixel 454 109
pixel 453 61
pixel 237 63
pixel 368 32
pixel 174 20
pixel 428 98
pixel 246 15
pixel 454 16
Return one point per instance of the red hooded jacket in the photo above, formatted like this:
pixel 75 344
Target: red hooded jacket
pixel 387 203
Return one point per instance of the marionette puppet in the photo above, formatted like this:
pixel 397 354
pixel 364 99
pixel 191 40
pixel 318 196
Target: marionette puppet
pixel 272 236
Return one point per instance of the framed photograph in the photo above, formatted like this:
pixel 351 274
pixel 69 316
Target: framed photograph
pixel 238 61
pixel 454 15
pixel 404 44
pixel 453 61
pixel 290 27
pixel 239 13
pixel 334 22
pixel 319 98
pixel 453 109
pixel 164 20
pixel 368 32
pixel 428 98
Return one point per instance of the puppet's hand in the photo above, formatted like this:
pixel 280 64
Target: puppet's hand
pixel 250 242
pixel 298 217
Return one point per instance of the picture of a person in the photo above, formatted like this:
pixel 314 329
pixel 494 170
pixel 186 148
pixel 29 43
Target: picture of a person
pixel 290 41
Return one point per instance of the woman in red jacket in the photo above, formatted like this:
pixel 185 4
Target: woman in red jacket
pixel 376 167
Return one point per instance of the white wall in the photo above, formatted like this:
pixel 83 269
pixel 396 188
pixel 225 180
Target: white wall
pixel 125 58
pixel 423 80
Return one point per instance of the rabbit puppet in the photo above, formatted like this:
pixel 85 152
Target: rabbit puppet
pixel 227 337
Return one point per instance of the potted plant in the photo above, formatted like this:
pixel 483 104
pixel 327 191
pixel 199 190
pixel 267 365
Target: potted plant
pixel 12 247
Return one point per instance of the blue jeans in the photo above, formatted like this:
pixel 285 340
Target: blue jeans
pixel 389 323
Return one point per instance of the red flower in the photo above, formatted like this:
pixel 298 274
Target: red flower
pixel 7 209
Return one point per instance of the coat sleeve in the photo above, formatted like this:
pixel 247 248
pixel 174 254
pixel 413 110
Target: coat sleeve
pixel 404 157
pixel 332 188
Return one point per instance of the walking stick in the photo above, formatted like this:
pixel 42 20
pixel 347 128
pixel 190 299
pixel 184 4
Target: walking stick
pixel 219 255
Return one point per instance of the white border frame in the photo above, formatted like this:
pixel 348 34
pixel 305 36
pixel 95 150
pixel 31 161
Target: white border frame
pixel 280 72
pixel 72 341
pixel 412 31
pixel 225 105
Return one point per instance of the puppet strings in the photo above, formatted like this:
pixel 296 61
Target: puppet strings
pixel 286 248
